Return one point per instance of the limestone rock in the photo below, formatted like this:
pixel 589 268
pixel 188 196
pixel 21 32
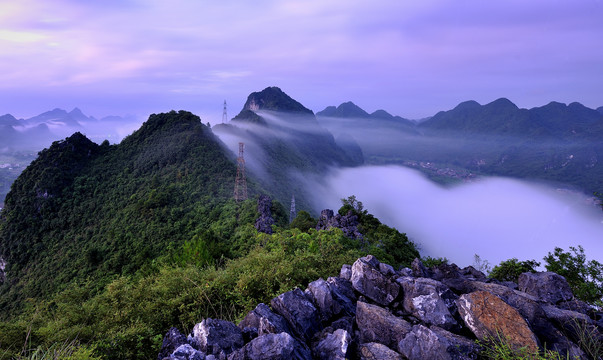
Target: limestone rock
pixel 436 343
pixel 334 346
pixel 266 321
pixel 300 313
pixel 377 324
pixel 171 341
pixel 487 315
pixel 265 221
pixel 272 347
pixel 429 301
pixel 214 336
pixel 343 293
pixel 376 351
pixel 346 272
pixel 347 223
pixel 370 282
pixel 187 352
pixel 547 286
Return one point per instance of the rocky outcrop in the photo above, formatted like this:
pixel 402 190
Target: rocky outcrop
pixel 265 221
pixel 347 223
pixel 2 270
pixel 373 311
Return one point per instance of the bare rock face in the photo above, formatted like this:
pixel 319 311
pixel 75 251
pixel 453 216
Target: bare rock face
pixel 300 313
pixel 547 286
pixel 265 321
pixel 214 336
pixel 377 324
pixel 334 346
pixel 370 282
pixel 436 343
pixel 272 347
pixel 487 315
pixel 376 351
pixel 347 223
pixel 265 221
pixel 429 301
pixel 171 341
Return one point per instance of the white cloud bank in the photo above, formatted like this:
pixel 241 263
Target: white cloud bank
pixel 496 218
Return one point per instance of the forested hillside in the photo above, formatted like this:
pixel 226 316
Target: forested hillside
pixel 108 246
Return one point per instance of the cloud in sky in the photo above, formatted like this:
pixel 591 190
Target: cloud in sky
pixel 412 58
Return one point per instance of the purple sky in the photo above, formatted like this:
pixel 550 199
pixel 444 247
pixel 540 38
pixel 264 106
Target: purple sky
pixel 411 58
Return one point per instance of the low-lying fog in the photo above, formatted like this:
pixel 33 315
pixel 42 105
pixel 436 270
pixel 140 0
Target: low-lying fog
pixel 496 218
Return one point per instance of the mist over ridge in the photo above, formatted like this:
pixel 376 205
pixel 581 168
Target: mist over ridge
pixel 496 218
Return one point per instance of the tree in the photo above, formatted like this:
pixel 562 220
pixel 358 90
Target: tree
pixel 584 277
pixel 509 270
pixel 303 221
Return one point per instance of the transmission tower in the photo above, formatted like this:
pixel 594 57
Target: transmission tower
pixel 224 116
pixel 240 190
pixel 293 212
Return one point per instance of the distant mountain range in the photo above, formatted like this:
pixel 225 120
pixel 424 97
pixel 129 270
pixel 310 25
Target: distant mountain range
pixel 556 142
pixel 40 131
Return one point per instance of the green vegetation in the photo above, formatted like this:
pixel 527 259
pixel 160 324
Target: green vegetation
pixel 584 277
pixel 108 246
pixel 509 270
pixel 127 318
pixel 499 348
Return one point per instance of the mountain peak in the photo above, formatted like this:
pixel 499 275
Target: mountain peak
pixel 345 110
pixel 273 98
pixel 503 104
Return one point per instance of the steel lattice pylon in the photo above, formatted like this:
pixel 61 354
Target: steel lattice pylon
pixel 240 190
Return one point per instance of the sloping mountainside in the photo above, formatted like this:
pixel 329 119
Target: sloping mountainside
pixel 557 143
pixel 284 142
pixel 104 247
pixel 83 210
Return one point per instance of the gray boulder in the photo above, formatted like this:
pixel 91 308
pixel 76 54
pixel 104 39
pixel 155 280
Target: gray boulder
pixel 546 286
pixel 171 341
pixel 376 324
pixel 429 301
pixel 300 313
pixel 334 346
pixel 346 272
pixel 215 336
pixel 437 344
pixel 265 221
pixel 320 292
pixel 376 351
pixel 370 282
pixel 265 321
pixel 186 352
pixel 272 347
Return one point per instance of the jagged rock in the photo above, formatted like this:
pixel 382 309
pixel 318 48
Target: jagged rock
pixel 321 293
pixel 436 343
pixel 376 324
pixel 272 347
pixel 370 282
pixel 250 333
pixel 376 351
pixel 346 272
pixel 171 341
pixel 265 320
pixel 418 269
pixel 473 274
pixel 578 306
pixel 334 346
pixel 265 221
pixel 343 293
pixel 186 352
pixel 429 301
pixel 573 323
pixel 487 315
pixel 347 223
pixel 300 313
pixel 546 286
pixel 214 336
pixel 387 269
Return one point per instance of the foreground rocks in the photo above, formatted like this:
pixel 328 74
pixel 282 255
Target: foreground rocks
pixel 372 311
